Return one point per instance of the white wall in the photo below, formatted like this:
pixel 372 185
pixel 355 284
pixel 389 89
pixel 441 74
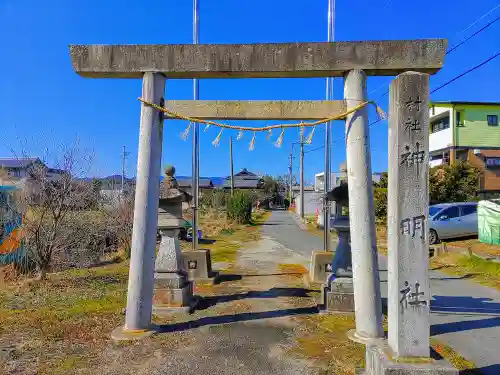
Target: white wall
pixel 438 111
pixel 313 201
pixel 319 181
pixel 444 138
pixel 435 163
pixel 441 139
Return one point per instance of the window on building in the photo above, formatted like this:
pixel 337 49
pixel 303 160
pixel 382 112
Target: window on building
pixel 440 124
pixel 436 157
pixel 459 119
pixel 492 120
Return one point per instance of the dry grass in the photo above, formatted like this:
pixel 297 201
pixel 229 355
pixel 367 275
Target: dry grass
pixel 215 223
pixel 476 269
pixel 62 322
pixel 313 228
pixel 459 362
pixel 324 341
pixel 476 246
pixel 292 269
pixel 381 232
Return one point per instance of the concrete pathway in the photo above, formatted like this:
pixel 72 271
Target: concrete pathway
pixel 282 228
pixel 465 315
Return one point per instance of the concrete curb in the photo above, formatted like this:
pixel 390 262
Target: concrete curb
pixel 298 221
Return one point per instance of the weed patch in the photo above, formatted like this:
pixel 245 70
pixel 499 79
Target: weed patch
pixel 479 270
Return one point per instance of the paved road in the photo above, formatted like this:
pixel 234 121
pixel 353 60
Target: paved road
pixel 282 228
pixel 465 315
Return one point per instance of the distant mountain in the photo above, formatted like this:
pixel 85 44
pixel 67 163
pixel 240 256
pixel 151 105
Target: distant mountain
pixel 217 181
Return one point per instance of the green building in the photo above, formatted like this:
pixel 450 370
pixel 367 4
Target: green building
pixel 468 131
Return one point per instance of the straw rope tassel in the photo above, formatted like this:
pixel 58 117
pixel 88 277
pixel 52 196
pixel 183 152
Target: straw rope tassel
pixel 310 136
pixel 216 141
pixel 252 143
pixel 240 135
pixel 206 128
pixel 269 134
pixel 302 129
pixel 380 112
pixel 185 133
pixel 279 141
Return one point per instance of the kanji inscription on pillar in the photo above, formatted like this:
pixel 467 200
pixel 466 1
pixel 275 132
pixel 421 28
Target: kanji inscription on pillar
pixel 408 197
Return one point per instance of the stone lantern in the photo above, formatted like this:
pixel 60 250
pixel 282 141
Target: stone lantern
pixel 173 291
pixel 338 292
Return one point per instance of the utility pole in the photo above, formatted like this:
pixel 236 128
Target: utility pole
pixel 196 143
pixel 290 178
pixel 302 176
pixel 329 96
pixel 124 156
pixel 231 161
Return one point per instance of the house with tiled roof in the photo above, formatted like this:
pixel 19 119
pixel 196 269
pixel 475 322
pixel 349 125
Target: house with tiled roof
pixel 13 170
pixel 244 180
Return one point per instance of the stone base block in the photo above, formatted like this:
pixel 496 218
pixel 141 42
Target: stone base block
pixel 320 266
pixel 173 293
pixel 122 334
pixel 342 285
pixel 339 298
pixel 379 362
pixel 198 264
pixel 166 310
pixel 169 280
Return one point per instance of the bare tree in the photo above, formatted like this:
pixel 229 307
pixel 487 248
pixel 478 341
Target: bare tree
pixel 50 203
pixel 123 217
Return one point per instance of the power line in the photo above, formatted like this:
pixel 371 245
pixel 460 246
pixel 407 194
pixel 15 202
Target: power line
pixel 476 21
pixel 383 8
pixel 433 91
pixel 447 52
pixel 466 72
pixel 315 149
pixel 472 36
pixel 457 45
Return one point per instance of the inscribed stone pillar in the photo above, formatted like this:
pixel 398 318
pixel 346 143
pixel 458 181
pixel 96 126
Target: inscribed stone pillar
pixel 408 205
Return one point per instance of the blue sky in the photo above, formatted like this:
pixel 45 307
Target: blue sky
pixel 44 104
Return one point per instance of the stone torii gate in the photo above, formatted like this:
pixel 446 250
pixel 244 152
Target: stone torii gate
pixel 351 60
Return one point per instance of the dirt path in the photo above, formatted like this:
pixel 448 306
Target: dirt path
pixel 257 321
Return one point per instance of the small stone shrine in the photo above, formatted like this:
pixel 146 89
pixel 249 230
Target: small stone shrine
pixel 198 264
pixel 173 292
pixel 337 292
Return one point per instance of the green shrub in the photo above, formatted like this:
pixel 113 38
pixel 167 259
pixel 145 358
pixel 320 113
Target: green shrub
pixel 239 207
pixel 380 200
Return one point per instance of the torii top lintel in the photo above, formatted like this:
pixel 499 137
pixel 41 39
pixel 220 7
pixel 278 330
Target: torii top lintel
pixel 287 60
